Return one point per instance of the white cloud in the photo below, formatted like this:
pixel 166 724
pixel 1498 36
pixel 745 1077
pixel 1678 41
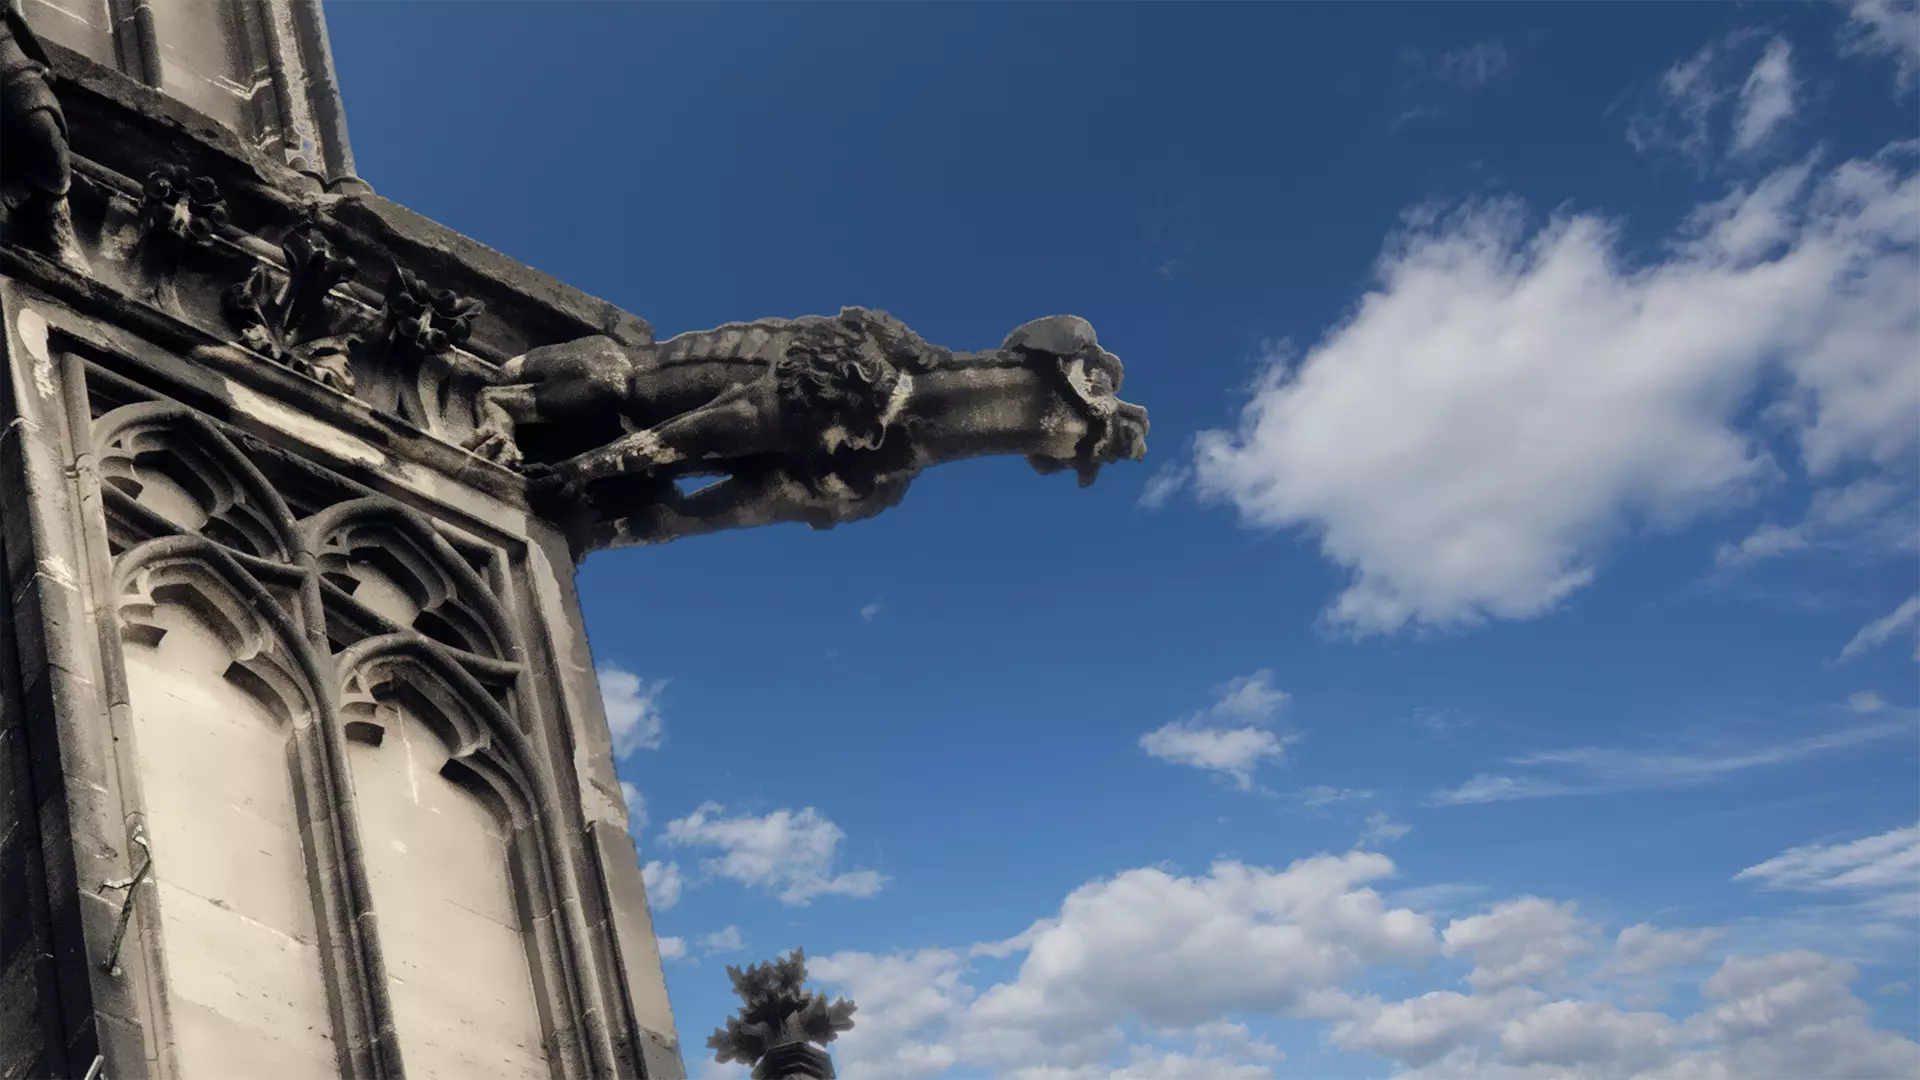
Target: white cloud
pixel 1474 66
pixel 868 612
pixel 1881 630
pixel 633 710
pixel 726 940
pixel 1322 794
pixel 1866 703
pixel 1889 28
pixel 1641 949
pixel 1250 697
pixel 664 884
pixel 1888 861
pixel 1528 940
pixel 786 853
pixel 636 807
pixel 1382 830
pixel 1509 401
pixel 1232 752
pixel 1766 99
pixel 1679 109
pixel 1196 961
pixel 1175 952
pixel 906 1004
pixel 1145 1063
pixel 1165 482
pixel 1594 770
pixel 1869 513
pixel 673 948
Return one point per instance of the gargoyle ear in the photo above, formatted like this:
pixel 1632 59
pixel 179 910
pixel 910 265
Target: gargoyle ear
pixel 1059 335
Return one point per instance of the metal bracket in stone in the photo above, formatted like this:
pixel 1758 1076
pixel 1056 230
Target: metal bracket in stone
pixel 132 886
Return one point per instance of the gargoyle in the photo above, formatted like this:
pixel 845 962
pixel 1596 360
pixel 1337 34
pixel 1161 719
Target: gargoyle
pixel 822 419
pixel 37 169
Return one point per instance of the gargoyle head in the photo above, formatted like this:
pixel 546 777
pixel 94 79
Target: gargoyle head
pixel 1115 430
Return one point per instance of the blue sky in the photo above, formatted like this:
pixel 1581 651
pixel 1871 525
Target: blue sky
pixel 1504 662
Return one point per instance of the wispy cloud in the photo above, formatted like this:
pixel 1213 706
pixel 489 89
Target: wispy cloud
pixel 1889 28
pixel 1888 861
pixel 1874 516
pixel 1228 737
pixel 1165 482
pixel 1381 830
pixel 1322 794
pixel 727 940
pixel 1864 894
pixel 1471 67
pixel 1758 96
pixel 870 611
pixel 1881 630
pixel 1449 75
pixel 1866 703
pixel 1593 770
pixel 1768 99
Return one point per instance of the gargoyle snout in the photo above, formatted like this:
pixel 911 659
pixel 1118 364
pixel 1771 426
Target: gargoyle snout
pixel 180 218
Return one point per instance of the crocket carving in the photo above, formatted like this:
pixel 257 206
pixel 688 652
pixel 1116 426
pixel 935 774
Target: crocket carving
pixel 822 419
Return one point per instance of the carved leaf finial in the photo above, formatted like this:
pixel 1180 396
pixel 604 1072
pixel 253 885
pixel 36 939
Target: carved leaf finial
pixel 426 319
pixel 777 1013
pixel 291 325
pixel 188 208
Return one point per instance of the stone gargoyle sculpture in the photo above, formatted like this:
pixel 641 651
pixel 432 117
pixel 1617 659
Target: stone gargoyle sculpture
pixel 821 420
pixel 36 168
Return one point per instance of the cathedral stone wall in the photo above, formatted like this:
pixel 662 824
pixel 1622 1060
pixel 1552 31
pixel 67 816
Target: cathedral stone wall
pixel 315 727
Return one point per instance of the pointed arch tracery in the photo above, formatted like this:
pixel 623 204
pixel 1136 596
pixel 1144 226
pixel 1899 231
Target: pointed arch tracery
pixel 390 567
pixel 226 702
pixel 269 652
pixel 392 686
pixel 165 469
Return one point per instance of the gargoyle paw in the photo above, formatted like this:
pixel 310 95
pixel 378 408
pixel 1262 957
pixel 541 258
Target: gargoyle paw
pixel 495 447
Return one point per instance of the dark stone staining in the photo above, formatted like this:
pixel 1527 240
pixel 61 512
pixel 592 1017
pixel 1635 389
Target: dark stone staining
pixel 820 420
pixel 30 1039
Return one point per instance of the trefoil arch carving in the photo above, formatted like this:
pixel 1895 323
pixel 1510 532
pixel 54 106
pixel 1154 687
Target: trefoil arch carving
pixel 372 545
pixel 166 469
pixel 270 653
